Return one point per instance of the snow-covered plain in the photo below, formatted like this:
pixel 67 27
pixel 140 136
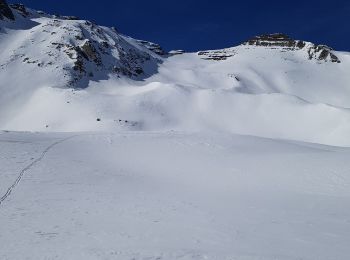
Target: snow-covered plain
pixel 172 195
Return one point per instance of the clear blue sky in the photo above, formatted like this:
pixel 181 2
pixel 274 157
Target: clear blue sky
pixel 203 24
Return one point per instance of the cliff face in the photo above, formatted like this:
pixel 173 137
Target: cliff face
pixel 278 41
pixel 318 52
pixel 5 11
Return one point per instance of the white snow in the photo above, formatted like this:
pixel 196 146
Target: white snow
pixel 173 195
pixel 258 91
pixel 241 159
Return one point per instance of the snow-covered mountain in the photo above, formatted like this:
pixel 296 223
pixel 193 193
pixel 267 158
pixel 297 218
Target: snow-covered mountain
pixel 71 52
pixel 145 154
pixel 59 73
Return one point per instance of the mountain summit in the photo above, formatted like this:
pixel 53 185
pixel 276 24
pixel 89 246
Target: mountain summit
pixel 319 52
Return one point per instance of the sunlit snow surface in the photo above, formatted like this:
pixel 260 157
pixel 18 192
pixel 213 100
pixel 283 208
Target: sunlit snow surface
pixel 193 159
pixel 172 195
pixel 266 92
pixel 259 92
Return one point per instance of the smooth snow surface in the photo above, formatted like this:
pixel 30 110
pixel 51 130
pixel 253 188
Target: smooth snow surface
pixel 172 195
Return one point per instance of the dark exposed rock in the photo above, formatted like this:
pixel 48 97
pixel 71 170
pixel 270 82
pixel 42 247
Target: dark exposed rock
pixel 138 70
pixel 86 51
pixel 93 53
pixel 156 48
pixel 323 53
pixel 21 9
pixel 318 52
pixel 70 17
pixel 66 17
pixel 217 55
pixel 79 66
pixel 275 40
pixel 5 11
pixel 90 53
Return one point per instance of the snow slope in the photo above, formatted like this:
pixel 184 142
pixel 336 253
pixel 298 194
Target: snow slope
pixel 172 195
pixel 63 74
pixel 40 51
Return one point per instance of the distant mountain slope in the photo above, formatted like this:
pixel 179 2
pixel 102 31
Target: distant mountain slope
pixel 78 50
pixel 59 73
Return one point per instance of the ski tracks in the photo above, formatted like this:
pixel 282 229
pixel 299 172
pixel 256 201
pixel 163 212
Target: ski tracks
pixel 31 165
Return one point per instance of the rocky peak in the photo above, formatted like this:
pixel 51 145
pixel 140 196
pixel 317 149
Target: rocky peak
pixel 154 47
pixel 79 50
pixel 275 39
pixel 5 11
pixel 280 40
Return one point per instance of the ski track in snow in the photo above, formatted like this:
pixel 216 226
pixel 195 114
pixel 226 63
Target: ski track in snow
pixel 113 196
pixel 28 167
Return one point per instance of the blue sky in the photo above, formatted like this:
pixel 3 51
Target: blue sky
pixel 198 25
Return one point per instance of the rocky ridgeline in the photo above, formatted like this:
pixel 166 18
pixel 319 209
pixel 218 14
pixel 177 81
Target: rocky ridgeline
pixel 276 41
pixel 83 50
pixel 5 11
pixel 156 48
pixel 94 52
pixel 279 40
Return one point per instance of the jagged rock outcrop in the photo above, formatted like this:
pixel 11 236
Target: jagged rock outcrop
pixel 5 11
pixel 280 40
pixel 154 47
pixel 90 53
pixel 322 53
pixel 78 50
pixel 94 52
pixel 275 40
pixel 217 55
